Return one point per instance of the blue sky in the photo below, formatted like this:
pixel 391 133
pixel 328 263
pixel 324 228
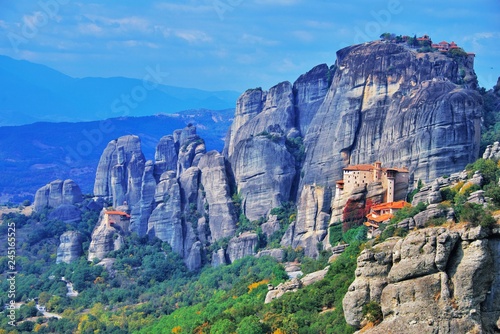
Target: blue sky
pixel 232 44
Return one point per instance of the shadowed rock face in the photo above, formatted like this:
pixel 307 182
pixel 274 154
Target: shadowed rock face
pixel 165 221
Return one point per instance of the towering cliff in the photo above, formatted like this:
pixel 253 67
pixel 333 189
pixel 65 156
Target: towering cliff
pixel 183 197
pixel 120 170
pixel 381 101
pixel 389 103
pixel 261 143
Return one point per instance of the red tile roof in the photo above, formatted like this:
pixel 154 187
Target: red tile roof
pixel 119 213
pixel 390 205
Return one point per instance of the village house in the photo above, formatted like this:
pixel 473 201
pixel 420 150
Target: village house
pixel 382 212
pixel 444 46
pixel 117 219
pixel 393 180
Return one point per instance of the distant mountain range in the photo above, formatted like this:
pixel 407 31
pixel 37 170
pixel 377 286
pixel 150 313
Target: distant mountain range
pixel 35 154
pixel 31 93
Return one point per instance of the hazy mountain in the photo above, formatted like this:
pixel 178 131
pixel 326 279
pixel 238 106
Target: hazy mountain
pixel 31 92
pixel 34 153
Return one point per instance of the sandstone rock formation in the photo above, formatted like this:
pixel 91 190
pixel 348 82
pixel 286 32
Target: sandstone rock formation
pixel 294 284
pixel 56 193
pixel 264 171
pixel 120 170
pixel 312 221
pixel 105 238
pixel 217 192
pixel 381 96
pixel 434 280
pixel 165 221
pixel 70 247
pixel 242 246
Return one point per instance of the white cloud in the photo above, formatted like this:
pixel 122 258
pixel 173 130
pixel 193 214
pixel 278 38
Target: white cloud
pixel 124 24
pixel 304 36
pixel 193 36
pixel 252 39
pixel 132 43
pixel 89 29
pixel 285 65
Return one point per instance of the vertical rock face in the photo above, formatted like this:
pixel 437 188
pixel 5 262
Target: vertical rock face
pixel 57 193
pixel 258 112
pixel 165 156
pixel 312 221
pixel 142 211
pixel 392 104
pixel 242 246
pixel 120 170
pixel 263 168
pixel 309 91
pixel 70 247
pixel 221 210
pixel 165 221
pixel 434 280
pixel 264 171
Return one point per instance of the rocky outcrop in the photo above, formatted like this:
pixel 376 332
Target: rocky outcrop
pixel 70 247
pixel 264 171
pixel 57 193
pixel 219 258
pixel 276 253
pixel 242 246
pixel 120 170
pixel 312 221
pixel 217 193
pixel 142 211
pixel 165 156
pixel 271 226
pixel 309 91
pixel 434 280
pixel 294 284
pixel 258 143
pixel 165 221
pixel 105 238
